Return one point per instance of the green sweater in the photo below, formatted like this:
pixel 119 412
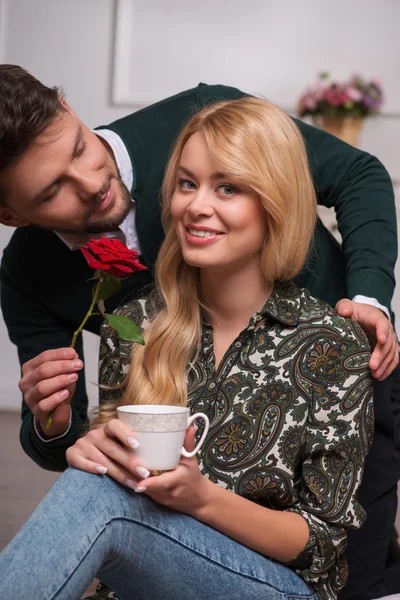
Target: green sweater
pixel 44 287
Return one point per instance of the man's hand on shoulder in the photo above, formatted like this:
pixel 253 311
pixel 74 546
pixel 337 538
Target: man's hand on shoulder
pixel 380 333
pixel 48 382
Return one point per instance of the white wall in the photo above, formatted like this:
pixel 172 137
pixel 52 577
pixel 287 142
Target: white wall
pixel 263 46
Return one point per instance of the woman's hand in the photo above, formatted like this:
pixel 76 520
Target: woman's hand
pixel 380 333
pixel 108 449
pixel 184 489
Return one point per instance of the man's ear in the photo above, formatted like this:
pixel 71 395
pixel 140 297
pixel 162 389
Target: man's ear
pixel 67 107
pixel 11 219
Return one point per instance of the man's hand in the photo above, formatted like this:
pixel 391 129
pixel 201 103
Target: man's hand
pixel 48 382
pixel 380 333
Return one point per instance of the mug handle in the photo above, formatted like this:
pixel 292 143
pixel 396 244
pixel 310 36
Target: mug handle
pixel 191 419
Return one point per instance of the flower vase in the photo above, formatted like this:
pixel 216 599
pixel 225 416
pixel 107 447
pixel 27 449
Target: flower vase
pixel 345 128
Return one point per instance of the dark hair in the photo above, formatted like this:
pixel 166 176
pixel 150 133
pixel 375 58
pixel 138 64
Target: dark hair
pixel 27 108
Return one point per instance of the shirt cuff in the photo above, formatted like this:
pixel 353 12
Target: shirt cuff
pixel 372 301
pixel 47 440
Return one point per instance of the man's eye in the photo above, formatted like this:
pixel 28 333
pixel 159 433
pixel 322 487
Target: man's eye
pixel 228 190
pixel 186 184
pixel 50 196
pixel 81 150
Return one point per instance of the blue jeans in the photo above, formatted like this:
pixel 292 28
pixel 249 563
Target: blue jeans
pixel 89 525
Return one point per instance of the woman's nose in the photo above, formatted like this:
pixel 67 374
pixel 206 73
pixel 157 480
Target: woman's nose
pixel 201 204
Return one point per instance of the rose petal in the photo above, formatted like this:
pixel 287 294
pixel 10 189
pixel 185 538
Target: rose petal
pixel 112 256
pixel 93 263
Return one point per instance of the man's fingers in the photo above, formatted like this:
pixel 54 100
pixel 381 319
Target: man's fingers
pixel 391 357
pixel 42 409
pixel 51 369
pixel 383 330
pixel 50 389
pixel 345 308
pixel 59 423
pixel 48 356
pixel 47 373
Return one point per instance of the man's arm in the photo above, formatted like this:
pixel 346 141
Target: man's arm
pixel 359 188
pixel 33 330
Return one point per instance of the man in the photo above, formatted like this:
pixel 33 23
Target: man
pixel 61 184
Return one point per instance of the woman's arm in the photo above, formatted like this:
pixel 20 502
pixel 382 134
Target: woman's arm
pixel 309 535
pixel 276 534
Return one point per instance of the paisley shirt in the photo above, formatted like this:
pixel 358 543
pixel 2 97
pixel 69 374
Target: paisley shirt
pixel 291 417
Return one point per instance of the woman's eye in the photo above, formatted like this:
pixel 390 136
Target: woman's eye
pixel 186 184
pixel 228 190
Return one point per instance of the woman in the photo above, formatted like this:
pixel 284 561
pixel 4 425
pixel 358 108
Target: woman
pixel 283 379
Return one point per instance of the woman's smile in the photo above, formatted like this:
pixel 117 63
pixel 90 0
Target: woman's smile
pixel 202 236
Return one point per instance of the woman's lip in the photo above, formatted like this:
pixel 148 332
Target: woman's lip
pixel 202 241
pixel 202 228
pixel 107 200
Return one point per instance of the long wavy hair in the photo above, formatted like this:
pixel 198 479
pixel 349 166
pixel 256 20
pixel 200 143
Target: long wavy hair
pixel 262 148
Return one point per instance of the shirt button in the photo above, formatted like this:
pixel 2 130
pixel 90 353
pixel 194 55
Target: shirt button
pixel 238 344
pixel 211 386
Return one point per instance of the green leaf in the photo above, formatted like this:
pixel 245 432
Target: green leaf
pixel 108 288
pixel 126 329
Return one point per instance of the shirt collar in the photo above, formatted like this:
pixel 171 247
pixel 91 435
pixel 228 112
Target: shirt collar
pixel 283 305
pixel 121 155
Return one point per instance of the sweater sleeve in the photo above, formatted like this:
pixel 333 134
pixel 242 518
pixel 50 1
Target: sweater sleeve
pixel 336 441
pixel 359 188
pixel 32 329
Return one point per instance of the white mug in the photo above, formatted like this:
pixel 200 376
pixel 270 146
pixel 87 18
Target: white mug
pixel 160 431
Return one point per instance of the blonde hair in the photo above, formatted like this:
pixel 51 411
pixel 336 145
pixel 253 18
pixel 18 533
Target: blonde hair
pixel 262 148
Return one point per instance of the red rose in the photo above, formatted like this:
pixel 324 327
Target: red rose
pixel 115 261
pixel 112 256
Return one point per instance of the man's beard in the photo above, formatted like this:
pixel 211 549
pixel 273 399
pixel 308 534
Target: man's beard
pixel 108 224
pixel 112 223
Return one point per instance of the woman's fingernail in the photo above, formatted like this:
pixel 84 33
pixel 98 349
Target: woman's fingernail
pixel 73 377
pixel 132 484
pixel 100 469
pixel 133 442
pixel 142 472
pixel 77 364
pixel 140 489
pixel 64 394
